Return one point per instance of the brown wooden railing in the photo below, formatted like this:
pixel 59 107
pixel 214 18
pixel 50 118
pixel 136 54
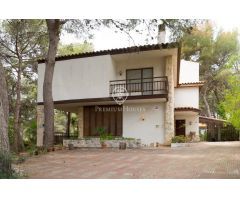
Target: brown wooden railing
pixel 144 86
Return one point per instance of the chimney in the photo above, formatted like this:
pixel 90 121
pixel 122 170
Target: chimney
pixel 161 33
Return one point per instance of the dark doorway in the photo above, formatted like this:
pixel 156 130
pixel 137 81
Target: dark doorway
pixel 107 117
pixel 180 127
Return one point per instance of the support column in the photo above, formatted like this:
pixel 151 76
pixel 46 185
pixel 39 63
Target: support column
pixel 169 111
pixel 68 123
pixel 40 125
pixel 219 133
pixel 80 122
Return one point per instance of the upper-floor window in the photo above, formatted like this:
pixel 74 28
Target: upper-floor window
pixel 140 80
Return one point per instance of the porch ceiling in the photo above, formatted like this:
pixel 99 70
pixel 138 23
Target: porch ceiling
pixel 74 106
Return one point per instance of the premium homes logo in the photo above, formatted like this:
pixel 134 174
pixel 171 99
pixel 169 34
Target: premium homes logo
pixel 120 94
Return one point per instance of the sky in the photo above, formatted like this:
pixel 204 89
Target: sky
pixel 107 39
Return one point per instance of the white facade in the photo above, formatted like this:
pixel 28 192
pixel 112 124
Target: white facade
pixel 158 65
pixel 80 78
pixel 146 122
pixel 189 72
pixel 187 97
pixel 89 78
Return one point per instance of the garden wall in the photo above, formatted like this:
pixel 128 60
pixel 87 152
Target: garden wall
pixel 96 143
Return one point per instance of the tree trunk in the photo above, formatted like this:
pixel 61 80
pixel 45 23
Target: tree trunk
pixel 18 141
pixel 5 164
pixel 53 26
pixel 206 102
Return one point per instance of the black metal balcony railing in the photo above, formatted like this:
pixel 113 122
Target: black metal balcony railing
pixel 144 86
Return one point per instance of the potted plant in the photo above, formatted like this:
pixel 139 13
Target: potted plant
pixel 103 136
pixel 122 145
pixel 70 146
pixel 103 144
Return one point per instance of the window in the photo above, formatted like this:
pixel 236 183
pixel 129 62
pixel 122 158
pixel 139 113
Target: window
pixel 140 80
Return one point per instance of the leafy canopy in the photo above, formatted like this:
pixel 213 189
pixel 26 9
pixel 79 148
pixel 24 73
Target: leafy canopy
pixel 214 50
pixel 74 48
pixel 231 103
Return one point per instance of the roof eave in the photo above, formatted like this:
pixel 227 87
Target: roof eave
pixel 132 49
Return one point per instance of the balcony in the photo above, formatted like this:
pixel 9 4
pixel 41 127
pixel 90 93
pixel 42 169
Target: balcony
pixel 143 88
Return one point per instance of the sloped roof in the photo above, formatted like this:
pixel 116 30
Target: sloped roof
pixel 212 119
pixel 131 49
pixel 191 84
pixel 187 109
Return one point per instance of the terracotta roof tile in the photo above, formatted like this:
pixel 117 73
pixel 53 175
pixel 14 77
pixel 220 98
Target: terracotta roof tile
pixel 191 84
pixel 212 119
pixel 187 109
pixel 131 49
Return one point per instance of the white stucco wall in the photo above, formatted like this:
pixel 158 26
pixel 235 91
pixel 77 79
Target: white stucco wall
pixel 187 97
pixel 189 72
pixel 158 65
pixel 80 78
pixel 89 77
pixel 151 129
pixel 192 122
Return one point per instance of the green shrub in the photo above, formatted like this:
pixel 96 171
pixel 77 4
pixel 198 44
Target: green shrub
pixel 5 165
pixel 11 130
pixel 30 133
pixel 32 149
pixel 17 159
pixel 127 138
pixel 203 136
pixel 109 136
pixel 101 132
pixel 179 139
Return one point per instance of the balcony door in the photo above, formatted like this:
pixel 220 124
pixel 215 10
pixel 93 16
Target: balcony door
pixel 140 81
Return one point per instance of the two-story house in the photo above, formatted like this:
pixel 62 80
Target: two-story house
pixel 158 96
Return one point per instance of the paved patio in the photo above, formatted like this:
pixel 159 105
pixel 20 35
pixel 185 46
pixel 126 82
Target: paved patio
pixel 202 160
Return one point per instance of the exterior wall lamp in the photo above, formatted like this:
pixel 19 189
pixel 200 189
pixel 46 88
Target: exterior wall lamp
pixel 142 117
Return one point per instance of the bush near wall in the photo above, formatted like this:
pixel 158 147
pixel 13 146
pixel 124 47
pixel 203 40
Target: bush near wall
pixel 179 139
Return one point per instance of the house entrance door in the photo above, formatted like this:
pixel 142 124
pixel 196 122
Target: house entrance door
pixel 180 127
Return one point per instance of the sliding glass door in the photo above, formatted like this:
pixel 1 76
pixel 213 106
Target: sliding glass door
pixel 140 81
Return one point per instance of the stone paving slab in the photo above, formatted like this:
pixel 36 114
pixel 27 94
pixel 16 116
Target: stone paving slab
pixel 202 160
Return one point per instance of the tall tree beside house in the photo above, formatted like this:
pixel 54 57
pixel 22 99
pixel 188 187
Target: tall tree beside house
pixel 83 29
pixel 212 50
pixel 54 29
pixel 231 101
pixel 28 111
pixel 61 117
pixel 230 104
pixel 28 105
pixel 5 162
pixel 21 42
